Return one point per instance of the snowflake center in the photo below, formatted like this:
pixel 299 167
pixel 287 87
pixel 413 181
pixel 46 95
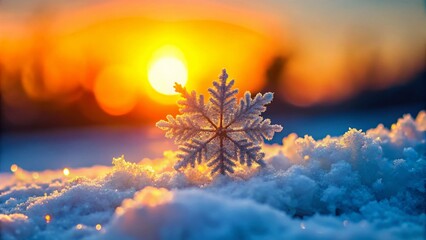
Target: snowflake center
pixel 221 131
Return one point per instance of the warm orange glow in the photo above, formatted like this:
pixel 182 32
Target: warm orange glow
pixel 66 171
pixel 125 73
pixel 166 68
pixel 47 217
pixel 35 175
pixel 110 51
pixel 14 168
pixel 116 90
pixel 79 226
pixel 151 196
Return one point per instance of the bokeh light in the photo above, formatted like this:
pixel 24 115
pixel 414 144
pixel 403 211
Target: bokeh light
pixel 47 218
pixel 14 168
pixel 98 227
pixel 66 171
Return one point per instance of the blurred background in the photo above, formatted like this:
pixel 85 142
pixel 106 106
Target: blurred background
pixel 83 81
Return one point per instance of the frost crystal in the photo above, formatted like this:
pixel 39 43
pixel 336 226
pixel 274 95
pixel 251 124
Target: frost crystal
pixel 220 132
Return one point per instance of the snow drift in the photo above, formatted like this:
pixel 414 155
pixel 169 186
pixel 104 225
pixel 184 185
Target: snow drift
pixel 368 185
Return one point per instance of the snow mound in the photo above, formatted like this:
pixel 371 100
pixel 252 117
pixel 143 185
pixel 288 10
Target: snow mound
pixel 196 214
pixel 362 185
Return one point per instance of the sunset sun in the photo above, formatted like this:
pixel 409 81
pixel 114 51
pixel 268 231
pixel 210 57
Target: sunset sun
pixel 165 71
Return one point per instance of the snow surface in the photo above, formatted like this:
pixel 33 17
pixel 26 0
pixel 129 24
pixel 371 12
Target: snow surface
pixel 361 185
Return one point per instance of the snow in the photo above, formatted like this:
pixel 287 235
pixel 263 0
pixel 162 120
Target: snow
pixel 361 185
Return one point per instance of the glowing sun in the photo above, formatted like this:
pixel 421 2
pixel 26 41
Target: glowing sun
pixel 164 72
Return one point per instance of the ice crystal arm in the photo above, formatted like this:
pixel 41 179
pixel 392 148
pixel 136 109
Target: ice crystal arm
pixel 259 129
pixel 222 162
pixel 191 152
pixel 192 104
pixel 181 129
pixel 251 108
pixel 223 96
pixel 247 152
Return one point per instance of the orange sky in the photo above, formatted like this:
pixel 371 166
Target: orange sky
pixel 56 49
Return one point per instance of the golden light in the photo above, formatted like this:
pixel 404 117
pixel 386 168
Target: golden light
pixel 79 226
pixel 167 68
pixel 119 211
pixel 47 218
pixel 98 227
pixel 35 175
pixel 151 196
pixel 66 171
pixel 14 168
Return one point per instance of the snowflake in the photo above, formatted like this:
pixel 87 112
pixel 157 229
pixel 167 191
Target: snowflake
pixel 220 132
